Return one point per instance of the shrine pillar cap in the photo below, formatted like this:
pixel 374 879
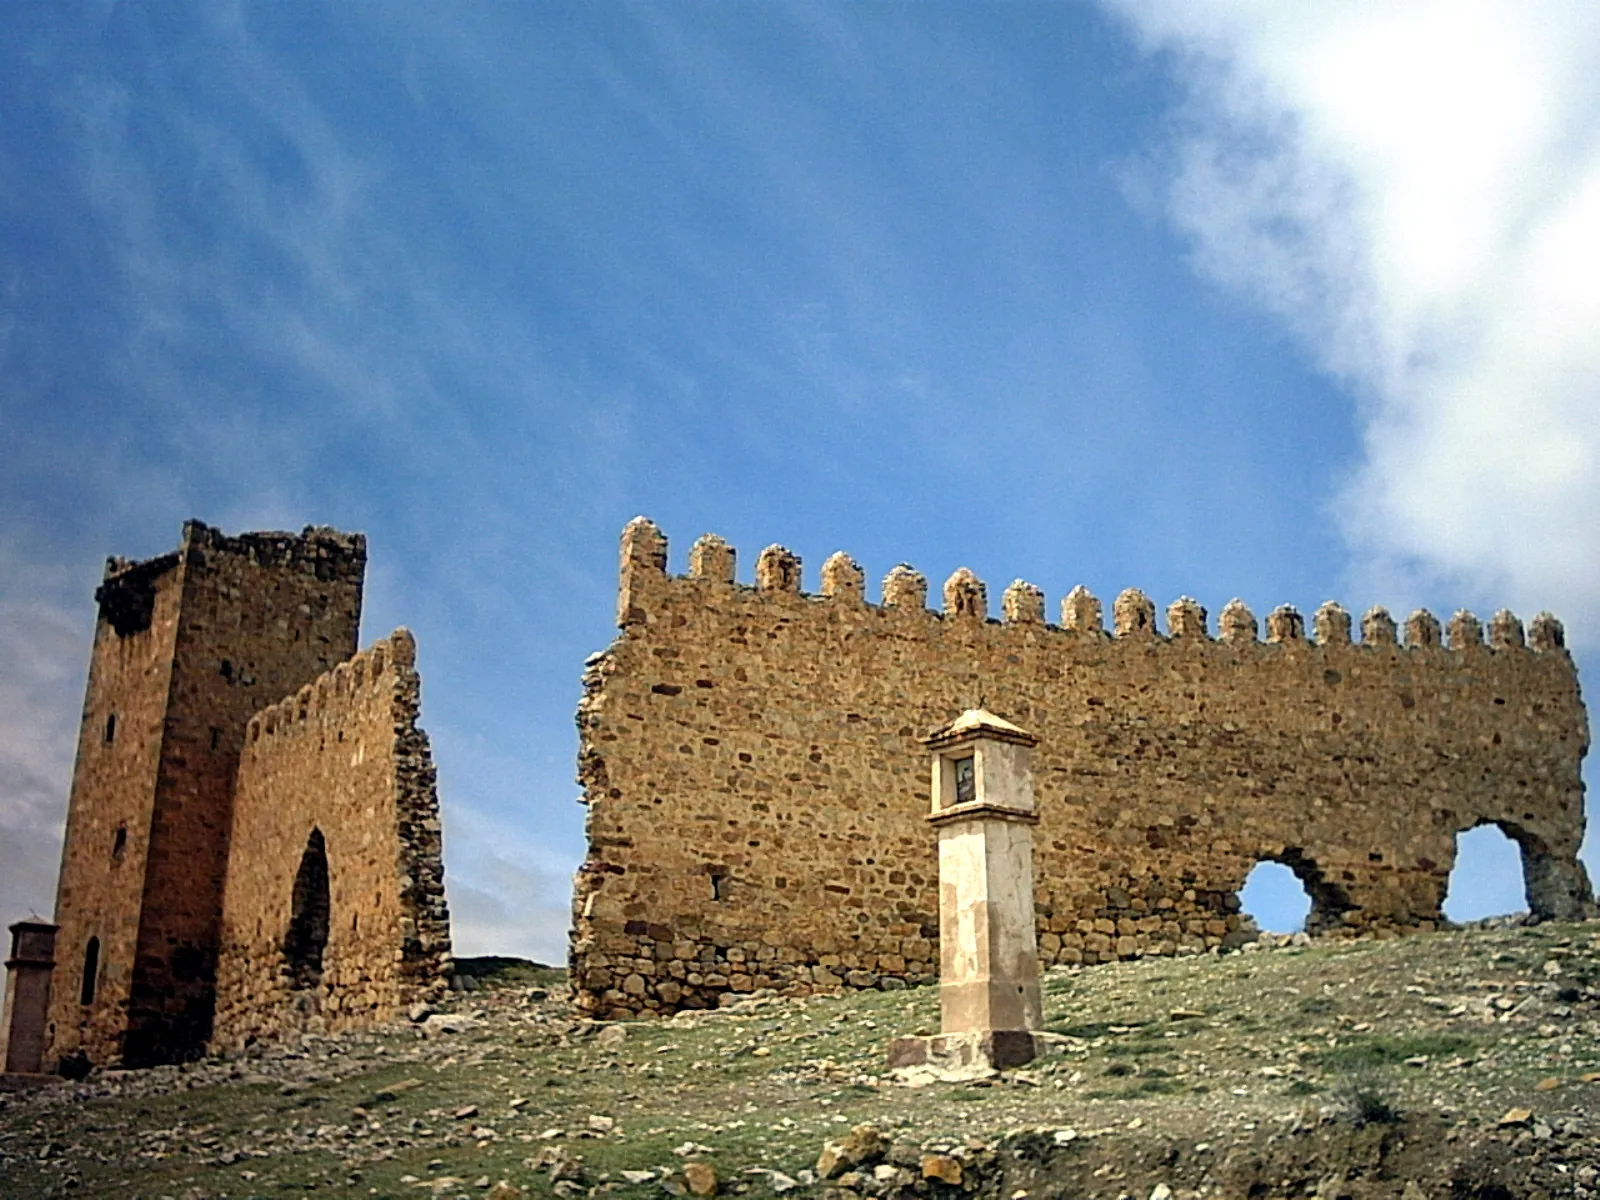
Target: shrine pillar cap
pixel 978 724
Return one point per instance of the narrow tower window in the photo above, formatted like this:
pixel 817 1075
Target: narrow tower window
pixel 307 937
pixel 111 728
pixel 91 971
pixel 119 843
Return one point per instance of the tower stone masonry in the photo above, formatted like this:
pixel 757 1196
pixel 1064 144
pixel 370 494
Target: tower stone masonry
pixel 188 648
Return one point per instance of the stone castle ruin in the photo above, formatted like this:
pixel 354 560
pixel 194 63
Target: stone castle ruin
pixel 253 840
pixel 253 837
pixel 756 789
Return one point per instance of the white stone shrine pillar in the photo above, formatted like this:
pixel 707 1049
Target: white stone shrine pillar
pixel 984 811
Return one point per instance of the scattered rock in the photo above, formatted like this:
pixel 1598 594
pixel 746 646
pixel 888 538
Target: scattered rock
pixel 943 1168
pixel 700 1179
pixel 862 1146
pixel 613 1035
pixel 1517 1116
pixel 440 1023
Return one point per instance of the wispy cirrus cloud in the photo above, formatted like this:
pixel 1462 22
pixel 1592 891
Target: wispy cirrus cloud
pixel 1415 189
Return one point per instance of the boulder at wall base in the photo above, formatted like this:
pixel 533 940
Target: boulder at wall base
pixel 861 1147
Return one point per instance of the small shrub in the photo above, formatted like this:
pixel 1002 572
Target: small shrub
pixel 1365 1102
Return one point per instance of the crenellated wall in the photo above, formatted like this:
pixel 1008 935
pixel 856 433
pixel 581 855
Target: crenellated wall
pixel 334 914
pixel 756 792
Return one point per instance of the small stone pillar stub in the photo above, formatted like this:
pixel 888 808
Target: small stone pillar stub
pixel 983 809
pixel 28 968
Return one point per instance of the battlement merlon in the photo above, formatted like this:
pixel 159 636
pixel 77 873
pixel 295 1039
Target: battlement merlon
pixel 965 597
pixel 368 668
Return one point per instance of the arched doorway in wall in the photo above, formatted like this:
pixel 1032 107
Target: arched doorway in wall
pixel 1488 878
pixel 307 938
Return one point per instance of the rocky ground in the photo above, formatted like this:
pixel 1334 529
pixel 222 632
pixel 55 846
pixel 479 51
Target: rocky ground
pixel 1461 1064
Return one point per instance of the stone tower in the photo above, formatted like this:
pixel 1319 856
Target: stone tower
pixel 188 647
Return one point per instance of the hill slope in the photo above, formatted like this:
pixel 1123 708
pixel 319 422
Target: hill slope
pixel 1454 1064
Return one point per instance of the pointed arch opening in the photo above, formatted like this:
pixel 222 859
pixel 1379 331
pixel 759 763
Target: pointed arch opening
pixel 1489 878
pixel 307 937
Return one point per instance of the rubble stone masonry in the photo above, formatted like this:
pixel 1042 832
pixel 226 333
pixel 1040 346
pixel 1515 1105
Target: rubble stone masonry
pixel 756 791
pixel 188 646
pixel 334 915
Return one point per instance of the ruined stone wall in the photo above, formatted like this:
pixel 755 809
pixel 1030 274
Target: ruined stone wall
pixel 756 792
pixel 188 647
pixel 336 786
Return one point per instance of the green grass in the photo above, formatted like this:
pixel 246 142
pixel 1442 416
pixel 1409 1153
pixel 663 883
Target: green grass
pixel 1366 1053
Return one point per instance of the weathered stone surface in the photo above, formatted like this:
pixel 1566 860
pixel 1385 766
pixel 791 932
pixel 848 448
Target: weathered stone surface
pixel 861 1147
pixel 905 587
pixel 341 772
pixel 1186 618
pixel 1236 623
pixel 712 559
pixel 700 1178
pixel 965 596
pixel 1022 604
pixel 1331 624
pixel 1133 614
pixel 27 997
pixel 755 785
pixel 188 647
pixel 1081 612
pixel 842 579
pixel 1285 624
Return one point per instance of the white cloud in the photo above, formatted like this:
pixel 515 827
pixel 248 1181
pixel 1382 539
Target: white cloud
pixel 43 650
pixel 1415 188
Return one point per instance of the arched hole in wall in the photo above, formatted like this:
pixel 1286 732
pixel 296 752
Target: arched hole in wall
pixel 307 938
pixel 111 729
pixel 1273 904
pixel 1274 898
pixel 119 843
pixel 91 971
pixel 1487 880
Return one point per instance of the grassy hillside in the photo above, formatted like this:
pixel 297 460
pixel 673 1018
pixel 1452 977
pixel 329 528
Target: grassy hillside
pixel 1458 1064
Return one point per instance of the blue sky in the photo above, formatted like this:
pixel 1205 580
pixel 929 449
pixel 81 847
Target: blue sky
pixel 1207 300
